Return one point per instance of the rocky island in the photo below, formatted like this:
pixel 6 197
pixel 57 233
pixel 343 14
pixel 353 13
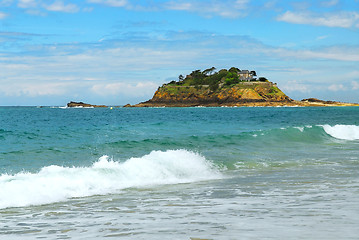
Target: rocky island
pixel 233 87
pixel 83 105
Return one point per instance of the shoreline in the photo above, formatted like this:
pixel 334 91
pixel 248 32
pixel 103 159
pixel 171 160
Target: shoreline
pixel 159 105
pixel 245 104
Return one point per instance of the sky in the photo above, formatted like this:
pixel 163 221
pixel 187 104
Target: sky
pixel 116 52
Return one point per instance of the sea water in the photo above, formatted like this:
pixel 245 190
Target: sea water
pixel 179 173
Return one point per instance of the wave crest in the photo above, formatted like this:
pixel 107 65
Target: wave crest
pixel 344 132
pixel 56 183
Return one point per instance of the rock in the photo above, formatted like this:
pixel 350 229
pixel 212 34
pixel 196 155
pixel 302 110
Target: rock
pixel 311 100
pixel 316 100
pixel 83 105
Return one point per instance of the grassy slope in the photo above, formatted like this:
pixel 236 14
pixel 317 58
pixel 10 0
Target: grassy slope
pixel 235 92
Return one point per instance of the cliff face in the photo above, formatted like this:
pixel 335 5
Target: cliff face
pixel 237 94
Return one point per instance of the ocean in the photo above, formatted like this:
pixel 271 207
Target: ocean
pixel 179 173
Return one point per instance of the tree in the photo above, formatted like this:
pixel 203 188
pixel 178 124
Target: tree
pixel 196 74
pixel 231 78
pixel 180 77
pixel 223 71
pixel 208 71
pixel 197 77
pixel 234 70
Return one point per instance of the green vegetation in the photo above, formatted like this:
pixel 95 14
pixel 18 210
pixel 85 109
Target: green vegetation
pixel 214 80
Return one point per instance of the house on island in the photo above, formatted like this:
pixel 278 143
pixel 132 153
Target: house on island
pixel 246 75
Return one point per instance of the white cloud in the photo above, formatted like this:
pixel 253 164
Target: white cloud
pixel 355 85
pixel 330 3
pixel 34 89
pixel 241 4
pixel 181 6
pixel 321 37
pixel 342 19
pixel 6 3
pixel 337 87
pixel 129 71
pixel 140 89
pixel 333 53
pixel 27 3
pixel 3 15
pixel 111 3
pixel 294 86
pixel 295 71
pixel 59 6
pixel 354 73
pixel 227 9
pixel 270 5
pixel 124 69
pixel 34 7
pixel 36 12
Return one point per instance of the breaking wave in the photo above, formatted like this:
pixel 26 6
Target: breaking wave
pixel 57 183
pixel 312 133
pixel 345 132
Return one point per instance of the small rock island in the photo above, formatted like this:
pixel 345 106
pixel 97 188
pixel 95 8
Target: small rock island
pixel 83 105
pixel 232 87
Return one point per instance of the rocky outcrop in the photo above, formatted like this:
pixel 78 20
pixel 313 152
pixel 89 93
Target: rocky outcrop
pixel 314 102
pixel 83 105
pixel 241 94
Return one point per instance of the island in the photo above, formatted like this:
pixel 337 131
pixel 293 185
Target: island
pixel 83 105
pixel 232 87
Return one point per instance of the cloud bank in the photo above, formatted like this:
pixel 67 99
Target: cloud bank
pixel 119 50
pixel 341 19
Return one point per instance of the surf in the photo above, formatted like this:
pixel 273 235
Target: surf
pixel 105 176
pixel 344 132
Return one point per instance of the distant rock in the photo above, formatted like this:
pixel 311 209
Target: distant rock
pixel 316 100
pixel 312 102
pixel 83 105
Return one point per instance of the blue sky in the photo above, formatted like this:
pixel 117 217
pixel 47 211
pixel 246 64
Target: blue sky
pixel 119 51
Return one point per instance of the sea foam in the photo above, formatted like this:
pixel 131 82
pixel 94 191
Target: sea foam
pixel 345 132
pixel 57 183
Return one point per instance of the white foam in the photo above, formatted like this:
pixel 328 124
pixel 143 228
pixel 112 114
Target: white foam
pixel 56 183
pixel 300 128
pixel 345 132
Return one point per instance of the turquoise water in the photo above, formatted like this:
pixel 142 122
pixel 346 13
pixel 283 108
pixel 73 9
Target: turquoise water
pixel 179 173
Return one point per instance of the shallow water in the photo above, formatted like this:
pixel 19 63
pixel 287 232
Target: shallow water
pixel 179 173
